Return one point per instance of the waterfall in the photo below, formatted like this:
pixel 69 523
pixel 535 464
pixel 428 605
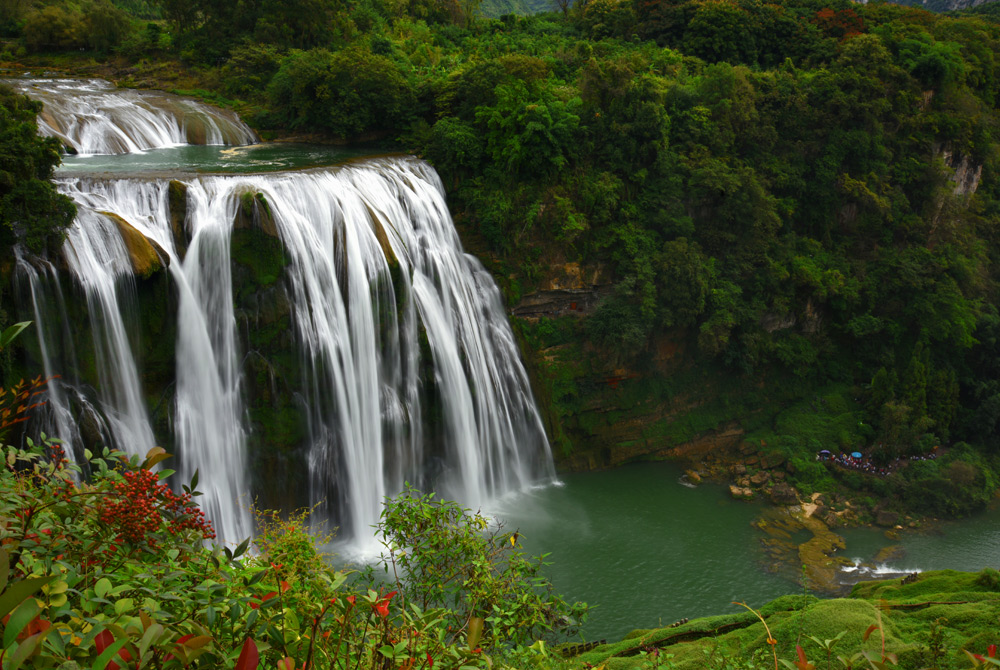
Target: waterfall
pixel 93 117
pixel 397 355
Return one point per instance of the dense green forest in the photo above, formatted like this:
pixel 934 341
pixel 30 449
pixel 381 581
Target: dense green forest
pixel 801 196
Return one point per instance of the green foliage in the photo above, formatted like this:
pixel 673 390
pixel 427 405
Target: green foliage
pixel 345 93
pixel 54 27
pixel 106 26
pixel 31 211
pixel 447 557
pixel 114 567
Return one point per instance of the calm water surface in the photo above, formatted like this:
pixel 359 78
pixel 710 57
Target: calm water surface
pixel 644 548
pixel 648 550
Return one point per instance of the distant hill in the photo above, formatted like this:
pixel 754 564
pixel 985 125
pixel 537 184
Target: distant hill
pixel 940 6
pixel 492 9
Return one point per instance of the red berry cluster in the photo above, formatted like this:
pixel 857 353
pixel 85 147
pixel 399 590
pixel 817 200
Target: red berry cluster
pixel 141 505
pixel 57 456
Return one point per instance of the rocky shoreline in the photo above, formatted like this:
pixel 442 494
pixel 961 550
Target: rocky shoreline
pixel 798 532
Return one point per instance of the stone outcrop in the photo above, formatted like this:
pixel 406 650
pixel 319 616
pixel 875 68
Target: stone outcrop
pixel 783 493
pixel 741 492
pixel 147 256
pixel 966 173
pixel 568 291
pixel 177 201
pixel 254 212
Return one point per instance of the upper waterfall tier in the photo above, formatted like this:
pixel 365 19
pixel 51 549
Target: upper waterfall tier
pixel 93 117
pixel 313 337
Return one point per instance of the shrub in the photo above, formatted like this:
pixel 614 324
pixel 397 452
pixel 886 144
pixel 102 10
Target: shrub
pixel 444 556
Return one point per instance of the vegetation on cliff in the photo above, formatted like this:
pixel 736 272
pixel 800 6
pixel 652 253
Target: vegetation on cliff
pixel 31 211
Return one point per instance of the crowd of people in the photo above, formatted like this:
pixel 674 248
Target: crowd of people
pixel 858 461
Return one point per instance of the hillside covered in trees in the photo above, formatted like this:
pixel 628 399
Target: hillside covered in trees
pixel 773 223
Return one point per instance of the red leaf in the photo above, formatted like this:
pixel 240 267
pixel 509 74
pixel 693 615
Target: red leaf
pixel 287 663
pixel 871 629
pixel 103 641
pixel 803 663
pixel 249 658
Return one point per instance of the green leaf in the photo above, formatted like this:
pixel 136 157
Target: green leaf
pixel 8 335
pixel 387 651
pixel 26 649
pixel 211 616
pixel 21 617
pixel 242 548
pixel 4 568
pixel 18 591
pixel 475 631
pixel 102 587
pixel 163 474
pixel 152 633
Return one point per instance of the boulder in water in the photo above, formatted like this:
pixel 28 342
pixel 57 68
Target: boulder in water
pixel 784 494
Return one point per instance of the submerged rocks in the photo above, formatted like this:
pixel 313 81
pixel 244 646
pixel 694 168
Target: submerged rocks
pixel 791 549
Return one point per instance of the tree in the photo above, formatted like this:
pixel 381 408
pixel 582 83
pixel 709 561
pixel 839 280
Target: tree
pixel 31 211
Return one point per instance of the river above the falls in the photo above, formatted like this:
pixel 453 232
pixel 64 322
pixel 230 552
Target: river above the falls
pixel 646 549
pixel 199 159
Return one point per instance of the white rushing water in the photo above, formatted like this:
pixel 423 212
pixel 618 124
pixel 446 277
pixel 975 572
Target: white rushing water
pixel 92 116
pixel 374 265
pixel 410 371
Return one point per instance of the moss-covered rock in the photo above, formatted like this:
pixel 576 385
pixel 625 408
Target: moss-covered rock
pixel 254 212
pixel 177 201
pixel 147 256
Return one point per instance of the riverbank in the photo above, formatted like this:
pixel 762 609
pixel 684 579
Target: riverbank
pixel 928 621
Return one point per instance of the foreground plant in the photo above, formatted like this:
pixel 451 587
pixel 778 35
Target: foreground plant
pixel 490 593
pixel 115 572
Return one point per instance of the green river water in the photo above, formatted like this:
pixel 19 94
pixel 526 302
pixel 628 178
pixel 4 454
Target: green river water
pixel 647 550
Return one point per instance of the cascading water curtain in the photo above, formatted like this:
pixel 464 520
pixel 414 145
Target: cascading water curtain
pixel 409 368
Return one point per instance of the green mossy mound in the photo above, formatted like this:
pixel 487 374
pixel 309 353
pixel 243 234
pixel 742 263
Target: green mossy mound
pixel 959 609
